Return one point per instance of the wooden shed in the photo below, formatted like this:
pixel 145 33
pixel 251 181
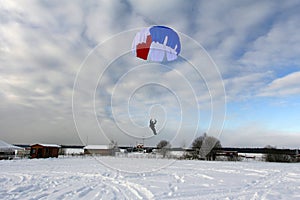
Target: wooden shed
pixel 44 150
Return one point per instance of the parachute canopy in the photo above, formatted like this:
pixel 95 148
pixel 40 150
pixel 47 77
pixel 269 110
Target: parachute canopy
pixel 156 43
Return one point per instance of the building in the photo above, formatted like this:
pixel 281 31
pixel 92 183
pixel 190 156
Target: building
pixel 8 151
pixel 44 150
pixel 103 150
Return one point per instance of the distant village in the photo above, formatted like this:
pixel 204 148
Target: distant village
pixel 162 150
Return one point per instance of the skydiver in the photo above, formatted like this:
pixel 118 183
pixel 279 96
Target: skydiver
pixel 152 126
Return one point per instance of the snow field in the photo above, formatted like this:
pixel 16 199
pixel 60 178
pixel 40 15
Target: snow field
pixel 90 178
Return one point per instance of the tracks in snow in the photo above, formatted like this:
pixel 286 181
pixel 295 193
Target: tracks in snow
pixel 67 185
pixel 87 179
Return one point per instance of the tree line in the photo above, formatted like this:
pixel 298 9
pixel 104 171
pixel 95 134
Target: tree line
pixel 207 147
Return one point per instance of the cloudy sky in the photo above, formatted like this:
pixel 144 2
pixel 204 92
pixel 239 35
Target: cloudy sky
pixel 67 74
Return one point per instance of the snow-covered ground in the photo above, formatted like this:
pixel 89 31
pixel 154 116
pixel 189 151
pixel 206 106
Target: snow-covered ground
pixel 95 178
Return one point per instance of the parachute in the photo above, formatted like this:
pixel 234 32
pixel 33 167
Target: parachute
pixel 156 43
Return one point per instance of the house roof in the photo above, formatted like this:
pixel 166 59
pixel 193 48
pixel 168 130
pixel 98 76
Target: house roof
pixel 8 147
pixel 97 147
pixel 46 145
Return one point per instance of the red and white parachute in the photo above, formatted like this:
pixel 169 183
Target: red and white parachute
pixel 156 43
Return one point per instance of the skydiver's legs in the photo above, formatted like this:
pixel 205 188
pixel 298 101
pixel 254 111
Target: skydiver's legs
pixel 154 131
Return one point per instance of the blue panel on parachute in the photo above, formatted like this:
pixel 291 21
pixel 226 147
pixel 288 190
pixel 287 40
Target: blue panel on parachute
pixel 159 33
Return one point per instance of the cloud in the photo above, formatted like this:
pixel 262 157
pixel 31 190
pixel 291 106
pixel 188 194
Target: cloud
pixel 284 86
pixel 37 71
pixel 43 45
pixel 277 47
pixel 257 135
pixel 246 86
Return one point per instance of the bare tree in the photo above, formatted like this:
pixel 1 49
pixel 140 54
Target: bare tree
pixel 113 146
pixel 203 147
pixel 163 146
pixel 196 146
pixel 208 145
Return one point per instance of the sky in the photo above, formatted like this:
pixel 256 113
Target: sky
pixel 68 76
